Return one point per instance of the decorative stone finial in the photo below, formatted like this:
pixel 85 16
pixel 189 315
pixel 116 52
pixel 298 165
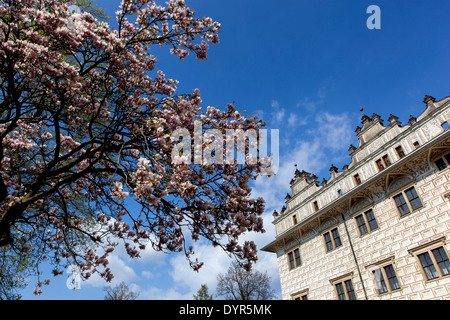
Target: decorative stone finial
pixel 275 213
pixel 429 99
pixel 333 169
pixel 392 118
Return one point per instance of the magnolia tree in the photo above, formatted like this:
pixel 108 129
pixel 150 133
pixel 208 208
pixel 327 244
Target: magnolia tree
pixel 86 128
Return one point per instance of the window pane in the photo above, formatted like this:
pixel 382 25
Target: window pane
pixel 297 257
pixel 350 291
pixel 379 164
pixel 392 277
pixel 381 284
pixel 442 260
pixel 447 157
pixel 413 198
pixel 340 291
pixel 441 164
pixel 386 160
pixel 316 206
pixel 371 219
pixel 305 297
pixel 328 241
pixel 400 152
pixel 428 266
pixel 401 204
pixel 361 224
pixel 337 239
pixel 291 260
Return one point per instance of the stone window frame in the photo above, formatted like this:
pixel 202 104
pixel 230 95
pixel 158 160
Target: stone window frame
pixel 332 239
pixel 381 265
pixel 315 206
pixel 445 157
pixel 366 222
pixel 297 263
pixel 357 179
pixel 342 280
pixel 407 201
pixel 399 151
pixel 300 295
pixel 383 162
pixel 427 248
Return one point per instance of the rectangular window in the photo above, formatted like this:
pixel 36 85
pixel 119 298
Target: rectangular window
pixel 340 291
pixel 433 258
pixel 379 164
pixel 336 238
pixel 294 219
pixel 445 125
pixel 366 222
pixel 413 198
pixel 428 266
pixel 383 162
pixel 401 204
pixel 442 260
pixel 294 259
pixel 332 239
pixel 361 224
pixel 447 157
pixel 381 284
pixel 328 241
pixel 315 206
pixel 400 152
pixel 371 219
pixel 345 290
pixel 386 160
pixel 386 279
pixel 297 257
pixel 357 179
pixel 413 203
pixel 301 295
pixel 392 277
pixel 291 260
pixel 440 164
pixel 350 290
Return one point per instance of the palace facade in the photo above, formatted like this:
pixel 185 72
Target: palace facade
pixel 380 227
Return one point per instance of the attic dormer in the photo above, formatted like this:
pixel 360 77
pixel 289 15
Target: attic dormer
pixel 301 180
pixel 371 127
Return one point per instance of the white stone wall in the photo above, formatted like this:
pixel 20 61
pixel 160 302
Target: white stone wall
pixel 395 235
pixel 303 194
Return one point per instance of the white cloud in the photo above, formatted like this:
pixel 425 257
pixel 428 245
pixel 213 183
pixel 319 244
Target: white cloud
pixel 216 261
pixel 334 130
pixel 293 120
pixel 275 104
pixel 148 275
pixel 120 270
pixel 154 293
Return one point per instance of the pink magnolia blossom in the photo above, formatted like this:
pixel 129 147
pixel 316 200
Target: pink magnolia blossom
pixel 86 124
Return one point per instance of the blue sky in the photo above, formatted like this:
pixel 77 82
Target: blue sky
pixel 306 68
